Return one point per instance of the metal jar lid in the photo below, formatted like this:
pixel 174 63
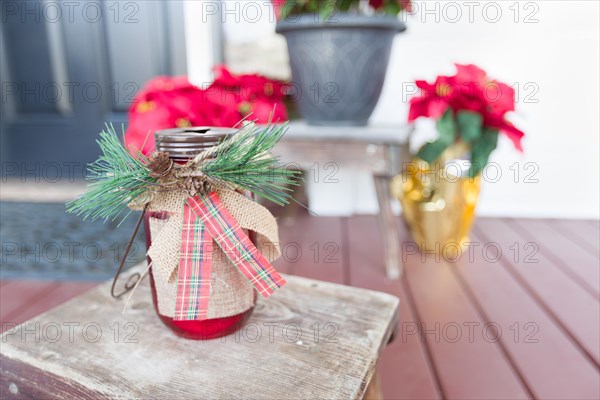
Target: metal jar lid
pixel 185 143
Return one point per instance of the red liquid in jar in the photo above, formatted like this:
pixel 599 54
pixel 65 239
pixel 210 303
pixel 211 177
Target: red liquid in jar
pixel 191 329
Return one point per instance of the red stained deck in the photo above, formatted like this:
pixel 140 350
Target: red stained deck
pixel 516 317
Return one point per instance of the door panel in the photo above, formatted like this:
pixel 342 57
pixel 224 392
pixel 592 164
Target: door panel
pixel 35 82
pixel 69 67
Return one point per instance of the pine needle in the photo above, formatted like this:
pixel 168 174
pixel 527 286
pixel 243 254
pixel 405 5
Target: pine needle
pixel 246 161
pixel 114 179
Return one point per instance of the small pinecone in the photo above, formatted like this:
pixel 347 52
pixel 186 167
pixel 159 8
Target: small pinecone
pixel 195 186
pixel 160 164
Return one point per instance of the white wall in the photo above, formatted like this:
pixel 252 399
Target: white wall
pixel 199 41
pixel 557 56
pixel 550 51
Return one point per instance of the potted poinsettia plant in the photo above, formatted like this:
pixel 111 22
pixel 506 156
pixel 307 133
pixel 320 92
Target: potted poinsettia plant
pixel 439 190
pixel 339 52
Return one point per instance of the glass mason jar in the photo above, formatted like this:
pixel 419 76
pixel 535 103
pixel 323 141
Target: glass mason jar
pixel 182 145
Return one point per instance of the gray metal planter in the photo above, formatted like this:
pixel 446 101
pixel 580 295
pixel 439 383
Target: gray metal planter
pixel 339 66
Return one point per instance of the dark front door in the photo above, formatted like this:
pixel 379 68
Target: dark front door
pixel 68 67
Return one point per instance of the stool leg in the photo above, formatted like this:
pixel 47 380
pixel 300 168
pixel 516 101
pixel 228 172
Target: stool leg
pixel 373 391
pixel 389 228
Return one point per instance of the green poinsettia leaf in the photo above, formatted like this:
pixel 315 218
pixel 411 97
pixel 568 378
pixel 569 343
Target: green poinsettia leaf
pixel 392 8
pixel 469 125
pixel 326 10
pixel 289 8
pixel 481 150
pixel 344 5
pixel 446 127
pixel 432 150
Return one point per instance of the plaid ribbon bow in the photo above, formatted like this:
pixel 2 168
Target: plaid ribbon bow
pixel 206 219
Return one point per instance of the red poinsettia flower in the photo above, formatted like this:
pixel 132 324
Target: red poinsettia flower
pixel 248 95
pixel 405 5
pixel 376 4
pixel 278 7
pixel 166 102
pixel 264 111
pixel 469 89
pixel 248 87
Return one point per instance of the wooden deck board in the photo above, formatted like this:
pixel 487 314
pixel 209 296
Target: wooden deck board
pixel 576 310
pixel 468 367
pixel 405 369
pixel 17 296
pixel 581 265
pixel 549 362
pixel 23 300
pixel 584 234
pixel 559 295
pixel 313 248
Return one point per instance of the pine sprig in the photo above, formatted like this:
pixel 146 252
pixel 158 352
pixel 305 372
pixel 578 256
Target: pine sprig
pixel 116 178
pixel 246 161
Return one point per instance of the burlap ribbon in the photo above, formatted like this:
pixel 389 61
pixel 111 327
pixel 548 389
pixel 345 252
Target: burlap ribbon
pixel 225 269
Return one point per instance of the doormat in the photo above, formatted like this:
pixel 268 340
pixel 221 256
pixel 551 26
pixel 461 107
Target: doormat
pixel 42 241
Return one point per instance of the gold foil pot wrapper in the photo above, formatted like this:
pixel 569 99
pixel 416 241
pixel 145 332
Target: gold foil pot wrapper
pixel 438 202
